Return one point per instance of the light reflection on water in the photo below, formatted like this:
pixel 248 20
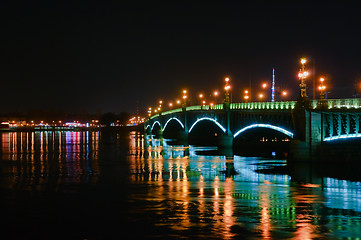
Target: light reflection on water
pixel 37 156
pixel 198 194
pixel 179 191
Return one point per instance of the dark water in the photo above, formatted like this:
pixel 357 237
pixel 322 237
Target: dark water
pixel 106 185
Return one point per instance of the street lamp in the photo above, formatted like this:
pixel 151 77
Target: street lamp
pixel 302 75
pixel 184 98
pixel 215 95
pixel 322 88
pixel 246 96
pixel 227 87
pixel 322 103
pixel 160 105
pixel 201 97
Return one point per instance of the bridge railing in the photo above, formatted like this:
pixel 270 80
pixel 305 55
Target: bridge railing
pixel 264 105
pixel 344 103
pixel 332 104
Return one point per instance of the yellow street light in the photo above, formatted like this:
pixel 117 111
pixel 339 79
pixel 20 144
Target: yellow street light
pixel 322 87
pixel 302 76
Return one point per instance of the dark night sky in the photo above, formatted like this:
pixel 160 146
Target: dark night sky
pixel 88 55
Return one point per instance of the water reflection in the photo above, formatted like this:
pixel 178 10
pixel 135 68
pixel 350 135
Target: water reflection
pixel 199 195
pixel 43 158
pixel 177 190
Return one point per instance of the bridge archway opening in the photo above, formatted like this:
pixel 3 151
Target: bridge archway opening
pixel 156 128
pixel 172 128
pixel 148 129
pixel 262 140
pixel 205 132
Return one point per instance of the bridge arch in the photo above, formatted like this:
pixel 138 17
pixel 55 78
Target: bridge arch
pixel 206 119
pixel 151 127
pixel 173 118
pixel 260 125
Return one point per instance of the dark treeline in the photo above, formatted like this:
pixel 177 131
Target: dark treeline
pixel 50 116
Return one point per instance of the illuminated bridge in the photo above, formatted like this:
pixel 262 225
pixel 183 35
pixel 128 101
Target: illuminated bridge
pixel 307 126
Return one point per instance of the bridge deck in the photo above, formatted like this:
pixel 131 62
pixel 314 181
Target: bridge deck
pixel 332 104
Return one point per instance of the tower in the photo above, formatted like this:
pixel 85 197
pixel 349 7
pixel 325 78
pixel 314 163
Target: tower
pixel 273 85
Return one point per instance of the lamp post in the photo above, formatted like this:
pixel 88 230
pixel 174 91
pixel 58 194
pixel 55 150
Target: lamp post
pixel 227 139
pixel 201 97
pixel 302 75
pixel 215 95
pixel 322 103
pixel 284 94
pixel 322 88
pixel 227 88
pixel 246 95
pixel 184 98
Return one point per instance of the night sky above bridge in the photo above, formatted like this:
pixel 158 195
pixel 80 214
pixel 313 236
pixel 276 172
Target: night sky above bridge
pixel 88 56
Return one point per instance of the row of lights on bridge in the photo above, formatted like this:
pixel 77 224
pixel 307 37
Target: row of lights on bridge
pixel 302 75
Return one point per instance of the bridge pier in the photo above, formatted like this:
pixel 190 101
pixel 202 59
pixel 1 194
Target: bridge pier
pixel 307 145
pixel 183 137
pixel 225 141
pixel 159 133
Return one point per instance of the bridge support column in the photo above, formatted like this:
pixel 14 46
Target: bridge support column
pixel 183 136
pixel 159 133
pixel 225 141
pixel 309 127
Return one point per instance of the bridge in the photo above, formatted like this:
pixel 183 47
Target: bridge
pixel 308 125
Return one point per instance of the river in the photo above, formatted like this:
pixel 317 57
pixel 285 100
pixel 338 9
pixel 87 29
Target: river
pixel 113 185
